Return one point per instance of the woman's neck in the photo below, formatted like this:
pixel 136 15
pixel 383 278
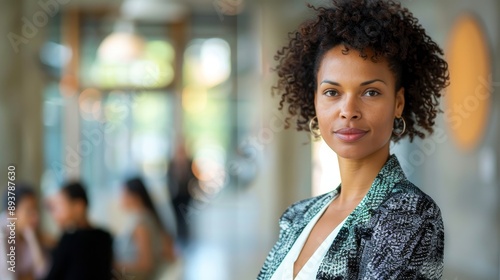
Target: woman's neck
pixel 137 208
pixel 357 175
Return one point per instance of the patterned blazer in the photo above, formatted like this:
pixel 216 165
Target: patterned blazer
pixel 396 232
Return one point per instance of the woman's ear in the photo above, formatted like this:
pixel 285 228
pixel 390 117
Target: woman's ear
pixel 400 102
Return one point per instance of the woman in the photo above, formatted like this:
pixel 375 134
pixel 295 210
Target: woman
pixel 360 74
pixel 143 247
pixel 30 260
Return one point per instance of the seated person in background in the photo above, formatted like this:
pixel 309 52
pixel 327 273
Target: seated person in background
pixel 30 260
pixel 143 247
pixel 83 252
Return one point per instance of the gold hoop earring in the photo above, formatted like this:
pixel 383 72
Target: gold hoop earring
pixel 397 130
pixel 315 134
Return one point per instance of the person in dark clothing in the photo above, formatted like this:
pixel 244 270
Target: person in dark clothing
pixel 180 177
pixel 83 252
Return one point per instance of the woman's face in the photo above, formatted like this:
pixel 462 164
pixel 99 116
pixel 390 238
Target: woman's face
pixel 128 200
pixel 27 213
pixel 356 103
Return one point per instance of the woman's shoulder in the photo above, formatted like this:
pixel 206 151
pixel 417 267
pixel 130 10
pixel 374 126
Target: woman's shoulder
pixel 142 218
pixel 406 198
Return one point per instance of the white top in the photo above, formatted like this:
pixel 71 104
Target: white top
pixel 310 269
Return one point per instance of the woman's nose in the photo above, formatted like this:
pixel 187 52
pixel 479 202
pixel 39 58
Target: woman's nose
pixel 350 109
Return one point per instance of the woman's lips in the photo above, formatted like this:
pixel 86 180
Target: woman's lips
pixel 350 134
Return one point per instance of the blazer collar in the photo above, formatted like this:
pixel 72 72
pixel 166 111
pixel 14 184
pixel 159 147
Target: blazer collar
pixel 294 221
pixel 356 224
pixel 390 175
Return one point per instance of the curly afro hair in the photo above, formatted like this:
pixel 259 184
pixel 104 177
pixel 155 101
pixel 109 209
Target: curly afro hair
pixel 389 31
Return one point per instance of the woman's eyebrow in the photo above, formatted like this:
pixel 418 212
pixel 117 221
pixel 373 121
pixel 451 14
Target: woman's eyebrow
pixel 330 82
pixel 362 84
pixel 372 81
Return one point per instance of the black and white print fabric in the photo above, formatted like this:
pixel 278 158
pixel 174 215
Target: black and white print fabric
pixel 396 232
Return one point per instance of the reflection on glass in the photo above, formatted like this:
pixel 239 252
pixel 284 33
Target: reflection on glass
pixel 148 66
pixel 206 105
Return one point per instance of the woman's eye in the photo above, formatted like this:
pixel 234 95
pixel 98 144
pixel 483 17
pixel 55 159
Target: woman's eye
pixel 372 93
pixel 330 93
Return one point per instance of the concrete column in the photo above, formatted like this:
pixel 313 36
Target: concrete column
pixel 21 90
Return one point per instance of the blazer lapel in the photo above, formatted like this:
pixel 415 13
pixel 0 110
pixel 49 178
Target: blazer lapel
pixel 293 222
pixel 353 229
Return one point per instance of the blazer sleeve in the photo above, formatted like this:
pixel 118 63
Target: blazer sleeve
pixel 406 241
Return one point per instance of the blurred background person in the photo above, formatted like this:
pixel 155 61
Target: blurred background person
pixel 143 248
pixel 31 258
pixel 83 252
pixel 180 177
